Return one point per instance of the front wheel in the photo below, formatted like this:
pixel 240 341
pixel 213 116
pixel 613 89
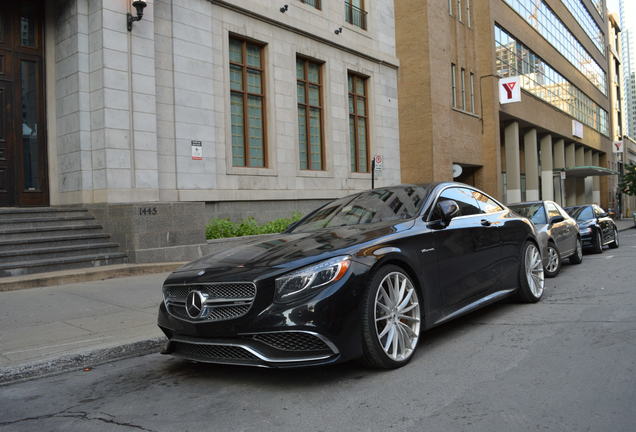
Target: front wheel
pixel 390 319
pixel 554 262
pixel 614 243
pixel 531 281
pixel 577 258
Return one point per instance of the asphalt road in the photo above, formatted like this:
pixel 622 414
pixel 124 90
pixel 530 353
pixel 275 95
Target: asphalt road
pixel 565 364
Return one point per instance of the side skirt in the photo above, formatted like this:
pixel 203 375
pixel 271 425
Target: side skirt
pixel 491 298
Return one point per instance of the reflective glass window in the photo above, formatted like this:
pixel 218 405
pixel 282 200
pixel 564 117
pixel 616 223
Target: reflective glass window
pixel 540 79
pixel 583 17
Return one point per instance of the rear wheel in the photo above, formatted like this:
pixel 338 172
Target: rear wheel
pixel 577 258
pixel 614 243
pixel 531 281
pixel 553 266
pixel 597 242
pixel 390 319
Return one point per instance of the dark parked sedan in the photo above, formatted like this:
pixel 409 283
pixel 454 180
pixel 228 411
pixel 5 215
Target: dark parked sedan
pixel 557 232
pixel 361 276
pixel 596 227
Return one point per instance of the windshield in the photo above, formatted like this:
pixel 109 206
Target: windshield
pixel 534 212
pixel 580 213
pixel 378 205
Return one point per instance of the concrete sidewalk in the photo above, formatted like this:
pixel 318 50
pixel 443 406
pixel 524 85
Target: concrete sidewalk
pixel 48 330
pixel 624 224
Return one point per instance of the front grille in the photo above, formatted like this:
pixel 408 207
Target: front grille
pixel 211 352
pixel 292 341
pixel 224 301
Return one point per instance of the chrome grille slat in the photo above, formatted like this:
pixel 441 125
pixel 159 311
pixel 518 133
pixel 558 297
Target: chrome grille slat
pixel 292 341
pixel 225 300
pixel 212 352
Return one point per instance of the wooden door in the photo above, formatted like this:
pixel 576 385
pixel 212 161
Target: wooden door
pixel 23 160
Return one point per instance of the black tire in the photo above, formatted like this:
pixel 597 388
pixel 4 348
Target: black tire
pixel 525 292
pixel 557 256
pixel 615 243
pixel 597 243
pixel 577 257
pixel 373 353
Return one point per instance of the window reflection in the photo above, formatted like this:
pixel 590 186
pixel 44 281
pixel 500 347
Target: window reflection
pixel 540 16
pixel 540 79
pixel 30 149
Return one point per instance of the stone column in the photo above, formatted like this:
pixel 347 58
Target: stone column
pixel 588 181
pixel 547 188
pixel 580 181
pixel 513 177
pixel 596 181
pixel 532 164
pixel 570 183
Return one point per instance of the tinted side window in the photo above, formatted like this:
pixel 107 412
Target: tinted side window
pixel 552 210
pixel 464 199
pixel 563 212
pixel 486 204
pixel 585 214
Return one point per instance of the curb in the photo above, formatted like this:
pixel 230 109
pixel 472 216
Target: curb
pixel 13 283
pixel 88 358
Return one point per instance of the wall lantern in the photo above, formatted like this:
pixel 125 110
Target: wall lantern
pixel 139 6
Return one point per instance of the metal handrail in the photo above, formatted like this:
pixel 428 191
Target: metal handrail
pixel 356 16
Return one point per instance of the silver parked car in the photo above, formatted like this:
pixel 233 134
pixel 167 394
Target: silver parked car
pixel 557 232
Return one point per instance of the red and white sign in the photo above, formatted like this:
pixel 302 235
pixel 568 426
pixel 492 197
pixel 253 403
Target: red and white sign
pixel 509 90
pixel 197 150
pixel 617 147
pixel 378 162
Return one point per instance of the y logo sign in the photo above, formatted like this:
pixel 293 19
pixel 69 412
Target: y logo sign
pixel 509 90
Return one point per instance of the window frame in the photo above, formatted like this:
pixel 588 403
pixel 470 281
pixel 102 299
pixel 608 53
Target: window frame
pixel 355 115
pixel 462 79
pixel 459 11
pixel 472 92
pixel 307 108
pixel 317 6
pixel 453 85
pixel 245 96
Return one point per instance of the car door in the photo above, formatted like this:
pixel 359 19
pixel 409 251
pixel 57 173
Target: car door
pixel 605 222
pixel 461 255
pixel 572 230
pixel 560 230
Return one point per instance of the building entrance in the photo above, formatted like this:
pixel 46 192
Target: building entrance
pixel 23 162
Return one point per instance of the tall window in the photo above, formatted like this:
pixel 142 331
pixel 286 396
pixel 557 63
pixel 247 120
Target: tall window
pixel 355 13
pixel 453 85
pixel 358 123
pixel 247 104
pixel 472 92
pixel 309 91
pixel 450 7
pixel 314 3
pixel 459 10
pixel 462 78
pixel 469 15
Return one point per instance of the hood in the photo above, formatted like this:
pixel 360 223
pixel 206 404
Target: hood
pixel 285 251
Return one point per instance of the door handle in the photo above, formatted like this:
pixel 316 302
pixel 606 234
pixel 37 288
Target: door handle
pixel 484 222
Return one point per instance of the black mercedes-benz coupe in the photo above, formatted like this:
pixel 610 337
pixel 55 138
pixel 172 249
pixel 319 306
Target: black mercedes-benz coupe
pixel 596 227
pixel 362 276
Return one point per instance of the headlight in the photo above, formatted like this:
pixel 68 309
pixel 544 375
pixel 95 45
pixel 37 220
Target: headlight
pixel 587 230
pixel 306 280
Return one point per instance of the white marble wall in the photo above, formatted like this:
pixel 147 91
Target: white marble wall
pixel 138 99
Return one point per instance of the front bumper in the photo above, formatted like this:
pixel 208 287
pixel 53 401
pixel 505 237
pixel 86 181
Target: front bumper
pixel 321 329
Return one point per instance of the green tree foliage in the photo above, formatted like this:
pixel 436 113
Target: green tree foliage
pixel 222 228
pixel 628 184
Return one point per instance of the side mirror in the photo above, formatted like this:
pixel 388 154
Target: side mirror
pixel 448 210
pixel 556 219
pixel 604 214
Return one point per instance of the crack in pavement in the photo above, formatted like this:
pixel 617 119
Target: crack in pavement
pixel 82 415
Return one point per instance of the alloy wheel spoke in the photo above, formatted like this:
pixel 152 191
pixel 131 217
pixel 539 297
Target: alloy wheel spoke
pixel 406 300
pixel 408 308
pixel 384 331
pixel 407 329
pixel 382 318
pixel 408 317
pixel 390 337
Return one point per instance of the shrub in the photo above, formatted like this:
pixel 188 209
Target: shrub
pixel 223 228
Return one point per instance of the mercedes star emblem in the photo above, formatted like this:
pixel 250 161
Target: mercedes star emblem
pixel 194 304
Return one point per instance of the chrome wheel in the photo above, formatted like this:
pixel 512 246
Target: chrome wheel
pixel 615 237
pixel 553 260
pixel 579 249
pixel 397 316
pixel 534 270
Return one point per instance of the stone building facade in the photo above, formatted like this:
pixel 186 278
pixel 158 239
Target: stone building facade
pixel 158 115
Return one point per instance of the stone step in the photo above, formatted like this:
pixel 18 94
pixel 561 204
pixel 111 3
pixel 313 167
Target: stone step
pixel 44 221
pixel 36 212
pixel 53 264
pixel 28 233
pixel 34 254
pixel 43 241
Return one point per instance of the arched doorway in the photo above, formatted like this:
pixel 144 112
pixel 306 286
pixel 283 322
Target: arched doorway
pixel 23 161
